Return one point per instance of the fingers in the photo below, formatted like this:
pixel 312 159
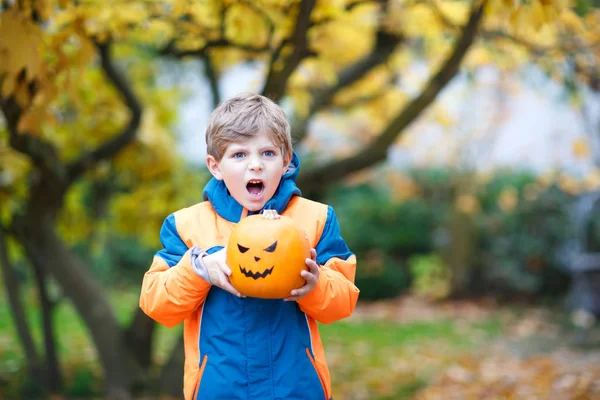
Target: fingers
pixel 311 277
pixel 297 294
pixel 217 261
pixel 226 270
pixel 229 288
pixel 313 267
pixel 221 280
pixel 313 254
pixel 219 276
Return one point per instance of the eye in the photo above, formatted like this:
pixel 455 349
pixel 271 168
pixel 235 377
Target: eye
pixel 242 249
pixel 269 153
pixel 271 248
pixel 239 154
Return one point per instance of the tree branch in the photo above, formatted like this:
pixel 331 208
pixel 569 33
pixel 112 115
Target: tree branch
pixel 362 100
pixel 170 49
pixel 317 178
pixel 276 80
pixel 117 142
pixel 384 47
pixel 213 79
pixel 42 153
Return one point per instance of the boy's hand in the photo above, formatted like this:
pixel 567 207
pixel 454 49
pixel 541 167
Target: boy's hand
pixel 219 272
pixel 311 276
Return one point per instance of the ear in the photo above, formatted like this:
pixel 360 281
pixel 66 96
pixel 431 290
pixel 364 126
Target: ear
pixel 213 167
pixel 286 163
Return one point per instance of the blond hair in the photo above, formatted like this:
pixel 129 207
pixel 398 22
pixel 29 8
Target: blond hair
pixel 243 116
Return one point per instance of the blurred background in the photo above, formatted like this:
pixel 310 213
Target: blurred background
pixel 458 142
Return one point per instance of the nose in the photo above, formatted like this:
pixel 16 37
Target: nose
pixel 255 164
pixel 256 258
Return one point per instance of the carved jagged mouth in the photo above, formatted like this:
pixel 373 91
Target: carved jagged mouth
pixel 256 275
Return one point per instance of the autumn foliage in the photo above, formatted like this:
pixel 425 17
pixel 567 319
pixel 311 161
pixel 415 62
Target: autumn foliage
pixel 87 143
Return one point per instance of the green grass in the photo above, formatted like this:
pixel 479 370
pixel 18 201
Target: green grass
pixel 372 360
pixel 389 360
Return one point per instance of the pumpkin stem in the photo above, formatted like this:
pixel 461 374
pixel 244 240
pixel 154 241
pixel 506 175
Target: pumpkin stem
pixel 270 214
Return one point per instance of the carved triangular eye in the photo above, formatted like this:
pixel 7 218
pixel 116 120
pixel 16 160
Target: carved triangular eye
pixel 271 248
pixel 242 249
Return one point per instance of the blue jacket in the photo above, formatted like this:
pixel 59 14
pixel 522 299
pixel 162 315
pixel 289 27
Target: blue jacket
pixel 249 348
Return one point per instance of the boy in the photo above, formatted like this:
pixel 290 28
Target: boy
pixel 237 347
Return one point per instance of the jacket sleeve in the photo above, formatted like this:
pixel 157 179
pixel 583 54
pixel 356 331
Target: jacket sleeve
pixel 335 295
pixel 171 289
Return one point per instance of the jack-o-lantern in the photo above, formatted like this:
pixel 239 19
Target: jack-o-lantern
pixel 266 253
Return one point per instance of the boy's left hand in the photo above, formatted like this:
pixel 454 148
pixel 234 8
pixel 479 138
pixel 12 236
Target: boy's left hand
pixel 311 277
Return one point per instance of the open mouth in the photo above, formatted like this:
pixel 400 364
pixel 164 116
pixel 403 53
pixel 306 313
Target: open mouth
pixel 255 187
pixel 256 275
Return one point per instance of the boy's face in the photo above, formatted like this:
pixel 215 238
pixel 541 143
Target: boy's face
pixel 251 170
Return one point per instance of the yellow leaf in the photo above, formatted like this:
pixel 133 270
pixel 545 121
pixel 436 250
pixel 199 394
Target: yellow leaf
pixel 328 9
pixel 443 117
pixel 420 19
pixel 21 94
pixel 569 185
pixel 572 21
pixel 537 14
pixel 243 25
pixel 508 199
pixel 302 100
pixel 467 204
pixel 20 45
pixel 591 180
pixel 581 148
pixel 30 122
pixel 455 11
pixel 8 85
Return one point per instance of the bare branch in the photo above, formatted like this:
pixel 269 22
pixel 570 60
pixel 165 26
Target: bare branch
pixel 277 79
pixel 319 177
pixel 117 142
pixel 384 47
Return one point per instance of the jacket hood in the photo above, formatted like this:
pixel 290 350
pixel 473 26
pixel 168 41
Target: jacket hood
pixel 227 207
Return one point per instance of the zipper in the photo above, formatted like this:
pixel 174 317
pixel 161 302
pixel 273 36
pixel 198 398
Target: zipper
pixel 200 373
pixel 314 364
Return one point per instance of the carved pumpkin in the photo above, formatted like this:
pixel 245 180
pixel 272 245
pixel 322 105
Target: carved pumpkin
pixel 266 253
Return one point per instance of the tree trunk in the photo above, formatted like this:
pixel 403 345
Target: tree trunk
pixel 171 375
pixel 12 286
pixel 45 248
pixel 459 254
pixel 139 338
pixel 53 371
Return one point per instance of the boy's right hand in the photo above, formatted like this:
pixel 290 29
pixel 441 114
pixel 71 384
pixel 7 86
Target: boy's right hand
pixel 219 272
